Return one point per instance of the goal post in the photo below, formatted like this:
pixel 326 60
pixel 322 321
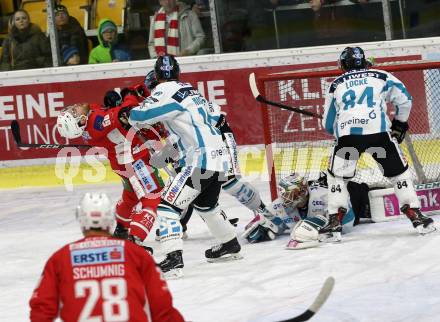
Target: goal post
pixel 298 143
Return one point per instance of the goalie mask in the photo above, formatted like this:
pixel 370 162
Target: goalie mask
pixel 352 58
pixel 95 212
pixel 293 191
pixel 72 121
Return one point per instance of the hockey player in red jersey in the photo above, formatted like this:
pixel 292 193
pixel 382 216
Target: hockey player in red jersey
pixel 128 157
pixel 101 278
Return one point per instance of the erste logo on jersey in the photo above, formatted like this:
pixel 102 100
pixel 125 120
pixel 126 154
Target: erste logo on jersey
pixel 101 255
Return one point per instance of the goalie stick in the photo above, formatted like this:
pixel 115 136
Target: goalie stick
pixel 260 98
pixel 15 128
pixel 326 289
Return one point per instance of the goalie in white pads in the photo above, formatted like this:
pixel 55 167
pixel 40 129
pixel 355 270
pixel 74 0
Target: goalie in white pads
pixel 355 113
pixel 301 208
pixel 184 112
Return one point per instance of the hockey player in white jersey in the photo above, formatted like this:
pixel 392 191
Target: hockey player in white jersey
pixel 243 191
pixel 355 112
pixel 301 209
pixel 184 112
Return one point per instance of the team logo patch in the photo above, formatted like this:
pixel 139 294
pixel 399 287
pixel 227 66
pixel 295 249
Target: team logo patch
pixel 106 121
pixel 101 255
pixel 97 125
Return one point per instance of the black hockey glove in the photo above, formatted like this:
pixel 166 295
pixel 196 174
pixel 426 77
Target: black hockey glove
pixel 398 130
pixel 123 116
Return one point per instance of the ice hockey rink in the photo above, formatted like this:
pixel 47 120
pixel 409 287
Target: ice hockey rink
pixel 384 272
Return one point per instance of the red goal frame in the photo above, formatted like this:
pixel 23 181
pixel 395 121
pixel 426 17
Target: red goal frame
pixel 332 71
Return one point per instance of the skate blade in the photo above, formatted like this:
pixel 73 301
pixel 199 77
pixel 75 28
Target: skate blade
pixel 225 258
pixel 295 244
pixel 173 274
pixel 426 230
pixel 330 238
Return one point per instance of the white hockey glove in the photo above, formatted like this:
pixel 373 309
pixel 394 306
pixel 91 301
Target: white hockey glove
pixel 168 154
pixel 305 234
pixel 260 229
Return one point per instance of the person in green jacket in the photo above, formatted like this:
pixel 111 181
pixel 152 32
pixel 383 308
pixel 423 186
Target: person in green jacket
pixel 109 49
pixel 26 46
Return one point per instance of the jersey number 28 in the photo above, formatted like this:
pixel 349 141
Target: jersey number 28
pixel 113 292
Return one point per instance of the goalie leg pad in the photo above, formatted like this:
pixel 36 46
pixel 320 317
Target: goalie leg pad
pixel 337 194
pixel 305 234
pixel 170 229
pixel 217 222
pixel 245 193
pixel 404 189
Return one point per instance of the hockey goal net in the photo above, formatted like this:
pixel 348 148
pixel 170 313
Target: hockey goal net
pixel 295 142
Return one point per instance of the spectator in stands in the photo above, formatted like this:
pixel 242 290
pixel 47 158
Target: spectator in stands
pixel 261 33
pixel 70 56
pixel 175 30
pixel 70 32
pixel 350 23
pixel 26 46
pixel 110 49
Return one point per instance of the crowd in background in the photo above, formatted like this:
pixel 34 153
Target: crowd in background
pixel 184 28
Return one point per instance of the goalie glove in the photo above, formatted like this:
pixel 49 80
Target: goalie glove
pixel 398 130
pixel 260 229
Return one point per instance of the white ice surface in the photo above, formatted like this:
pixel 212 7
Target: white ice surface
pixel 384 272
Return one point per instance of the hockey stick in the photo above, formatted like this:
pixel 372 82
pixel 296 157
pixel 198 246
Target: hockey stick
pixel 15 128
pixel 326 289
pixel 260 98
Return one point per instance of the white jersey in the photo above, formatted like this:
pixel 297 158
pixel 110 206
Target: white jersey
pixel 186 114
pixel 355 103
pixel 317 205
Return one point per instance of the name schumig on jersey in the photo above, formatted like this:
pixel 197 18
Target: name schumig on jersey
pixel 189 116
pixel 356 103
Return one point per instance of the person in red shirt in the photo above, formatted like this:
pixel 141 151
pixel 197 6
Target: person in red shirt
pixel 128 156
pixel 101 278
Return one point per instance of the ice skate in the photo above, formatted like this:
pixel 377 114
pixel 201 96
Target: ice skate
pixel 172 265
pixel 422 223
pixel 332 232
pixel 224 252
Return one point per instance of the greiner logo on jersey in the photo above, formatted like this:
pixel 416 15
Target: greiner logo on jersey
pixel 354 121
pixel 101 255
pixel 218 152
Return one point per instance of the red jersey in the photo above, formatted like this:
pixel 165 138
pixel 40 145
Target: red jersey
pixel 103 129
pixel 104 279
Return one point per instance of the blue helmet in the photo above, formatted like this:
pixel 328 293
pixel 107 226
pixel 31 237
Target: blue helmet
pixel 167 68
pixel 352 58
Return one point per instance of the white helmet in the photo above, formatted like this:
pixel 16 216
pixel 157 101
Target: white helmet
pixel 293 190
pixel 95 212
pixel 68 125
